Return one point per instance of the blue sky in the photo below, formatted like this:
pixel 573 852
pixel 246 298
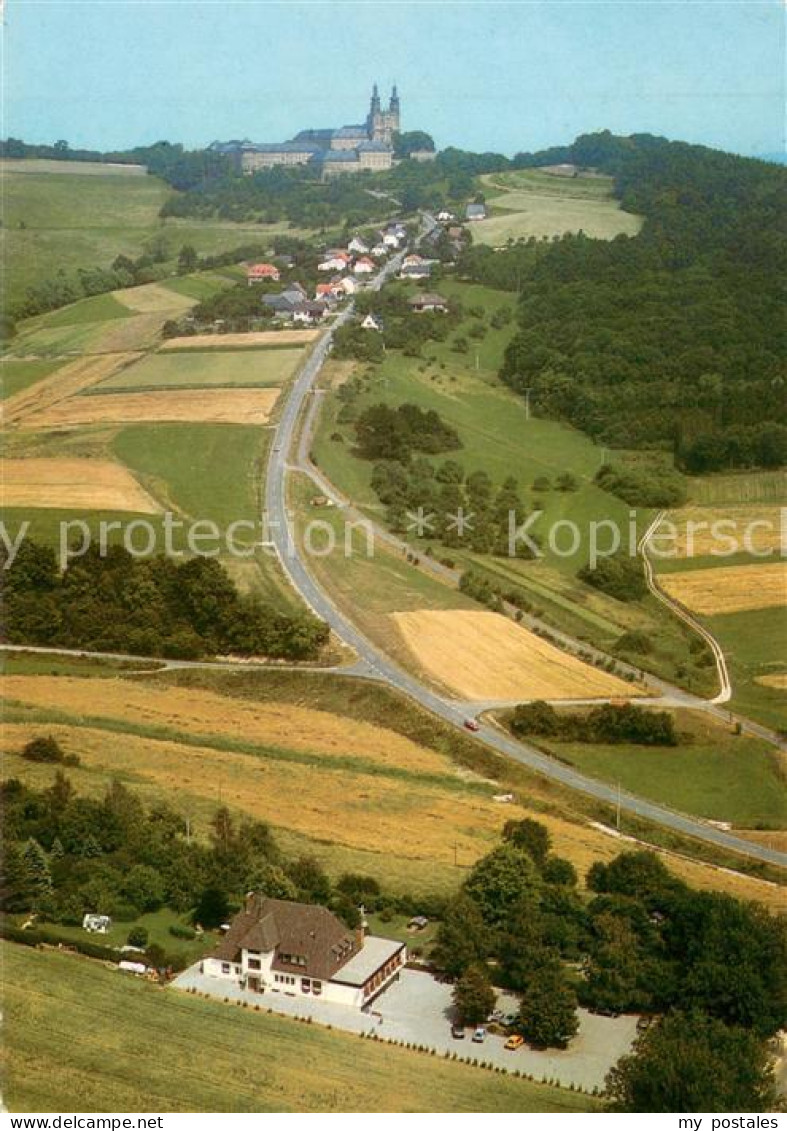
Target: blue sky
pixel 503 75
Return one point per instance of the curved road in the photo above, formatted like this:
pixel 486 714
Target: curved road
pixel 376 665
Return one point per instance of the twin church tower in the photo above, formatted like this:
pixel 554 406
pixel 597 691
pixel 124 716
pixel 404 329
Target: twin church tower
pixel 381 124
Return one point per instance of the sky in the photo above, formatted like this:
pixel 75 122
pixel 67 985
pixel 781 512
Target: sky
pixel 507 76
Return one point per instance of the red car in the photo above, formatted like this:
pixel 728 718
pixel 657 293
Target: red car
pixel 472 724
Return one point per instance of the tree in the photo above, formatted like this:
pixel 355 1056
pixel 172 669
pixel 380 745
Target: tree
pixel 695 1064
pixel 548 1013
pixel 38 875
pixel 43 750
pixel 138 936
pixel 212 909
pixel 530 835
pixel 501 881
pixel 462 939
pixel 188 260
pixel 474 997
pixel 143 887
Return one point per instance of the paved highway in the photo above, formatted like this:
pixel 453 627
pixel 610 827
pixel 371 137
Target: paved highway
pixel 375 664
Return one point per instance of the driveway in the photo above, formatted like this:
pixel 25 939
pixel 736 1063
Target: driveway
pixel 417 1009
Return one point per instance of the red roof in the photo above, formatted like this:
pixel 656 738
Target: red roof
pixel 262 271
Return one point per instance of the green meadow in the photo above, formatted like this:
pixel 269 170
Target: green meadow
pixel 18 374
pixel 191 369
pixel 713 773
pixel 66 1051
pixel 529 202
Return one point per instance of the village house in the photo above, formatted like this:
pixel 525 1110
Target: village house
pixel 335 261
pixel 309 313
pixel 357 246
pixel 349 285
pixel 429 302
pixel 372 322
pixel 379 251
pixel 279 946
pixel 328 292
pixel 364 266
pixel 445 217
pixel 262 273
pixel 415 271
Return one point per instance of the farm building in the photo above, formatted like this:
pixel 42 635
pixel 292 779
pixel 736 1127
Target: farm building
pixel 426 302
pixel 303 950
pixel 261 273
pixel 475 212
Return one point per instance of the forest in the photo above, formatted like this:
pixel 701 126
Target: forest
pixel 674 338
pixel 145 606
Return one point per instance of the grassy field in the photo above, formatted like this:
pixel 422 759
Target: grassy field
pixel 60 213
pixel 497 437
pixel 74 221
pixel 340 769
pixel 209 471
pixel 65 1050
pixel 713 773
pixel 739 487
pixel 208 370
pixel 17 374
pixel 529 203
pixel 754 645
pixel 537 181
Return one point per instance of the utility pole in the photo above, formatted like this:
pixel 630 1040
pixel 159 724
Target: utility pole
pixel 617 811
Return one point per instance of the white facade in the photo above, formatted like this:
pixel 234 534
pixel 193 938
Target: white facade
pixel 367 974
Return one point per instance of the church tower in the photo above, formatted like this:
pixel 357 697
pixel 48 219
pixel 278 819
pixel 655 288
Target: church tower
pixel 381 124
pixel 374 120
pixel 394 111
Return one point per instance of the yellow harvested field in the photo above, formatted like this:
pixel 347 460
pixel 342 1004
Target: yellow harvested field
pixel 152 298
pixel 728 589
pixel 411 819
pixel 485 656
pixel 210 406
pixel 702 531
pixel 80 484
pixel 251 340
pixel 416 823
pixel 206 713
pixel 777 680
pixel 64 383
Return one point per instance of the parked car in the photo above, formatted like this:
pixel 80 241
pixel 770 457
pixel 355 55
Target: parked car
pixel 472 724
pixel 515 1041
pixel 509 1019
pixel 497 1016
pixel 479 1036
pixel 458 1032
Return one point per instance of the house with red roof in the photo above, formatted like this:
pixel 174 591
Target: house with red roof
pixel 262 273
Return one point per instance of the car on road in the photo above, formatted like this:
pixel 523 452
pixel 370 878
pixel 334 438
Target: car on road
pixel 472 724
pixel 479 1036
pixel 458 1032
pixel 514 1042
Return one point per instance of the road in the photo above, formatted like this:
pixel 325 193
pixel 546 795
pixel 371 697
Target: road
pixel 725 687
pixel 375 664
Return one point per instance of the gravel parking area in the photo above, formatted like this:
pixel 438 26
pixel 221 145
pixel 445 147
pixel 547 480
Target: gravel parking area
pixel 417 1009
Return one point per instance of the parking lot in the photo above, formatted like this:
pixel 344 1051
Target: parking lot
pixel 417 1009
